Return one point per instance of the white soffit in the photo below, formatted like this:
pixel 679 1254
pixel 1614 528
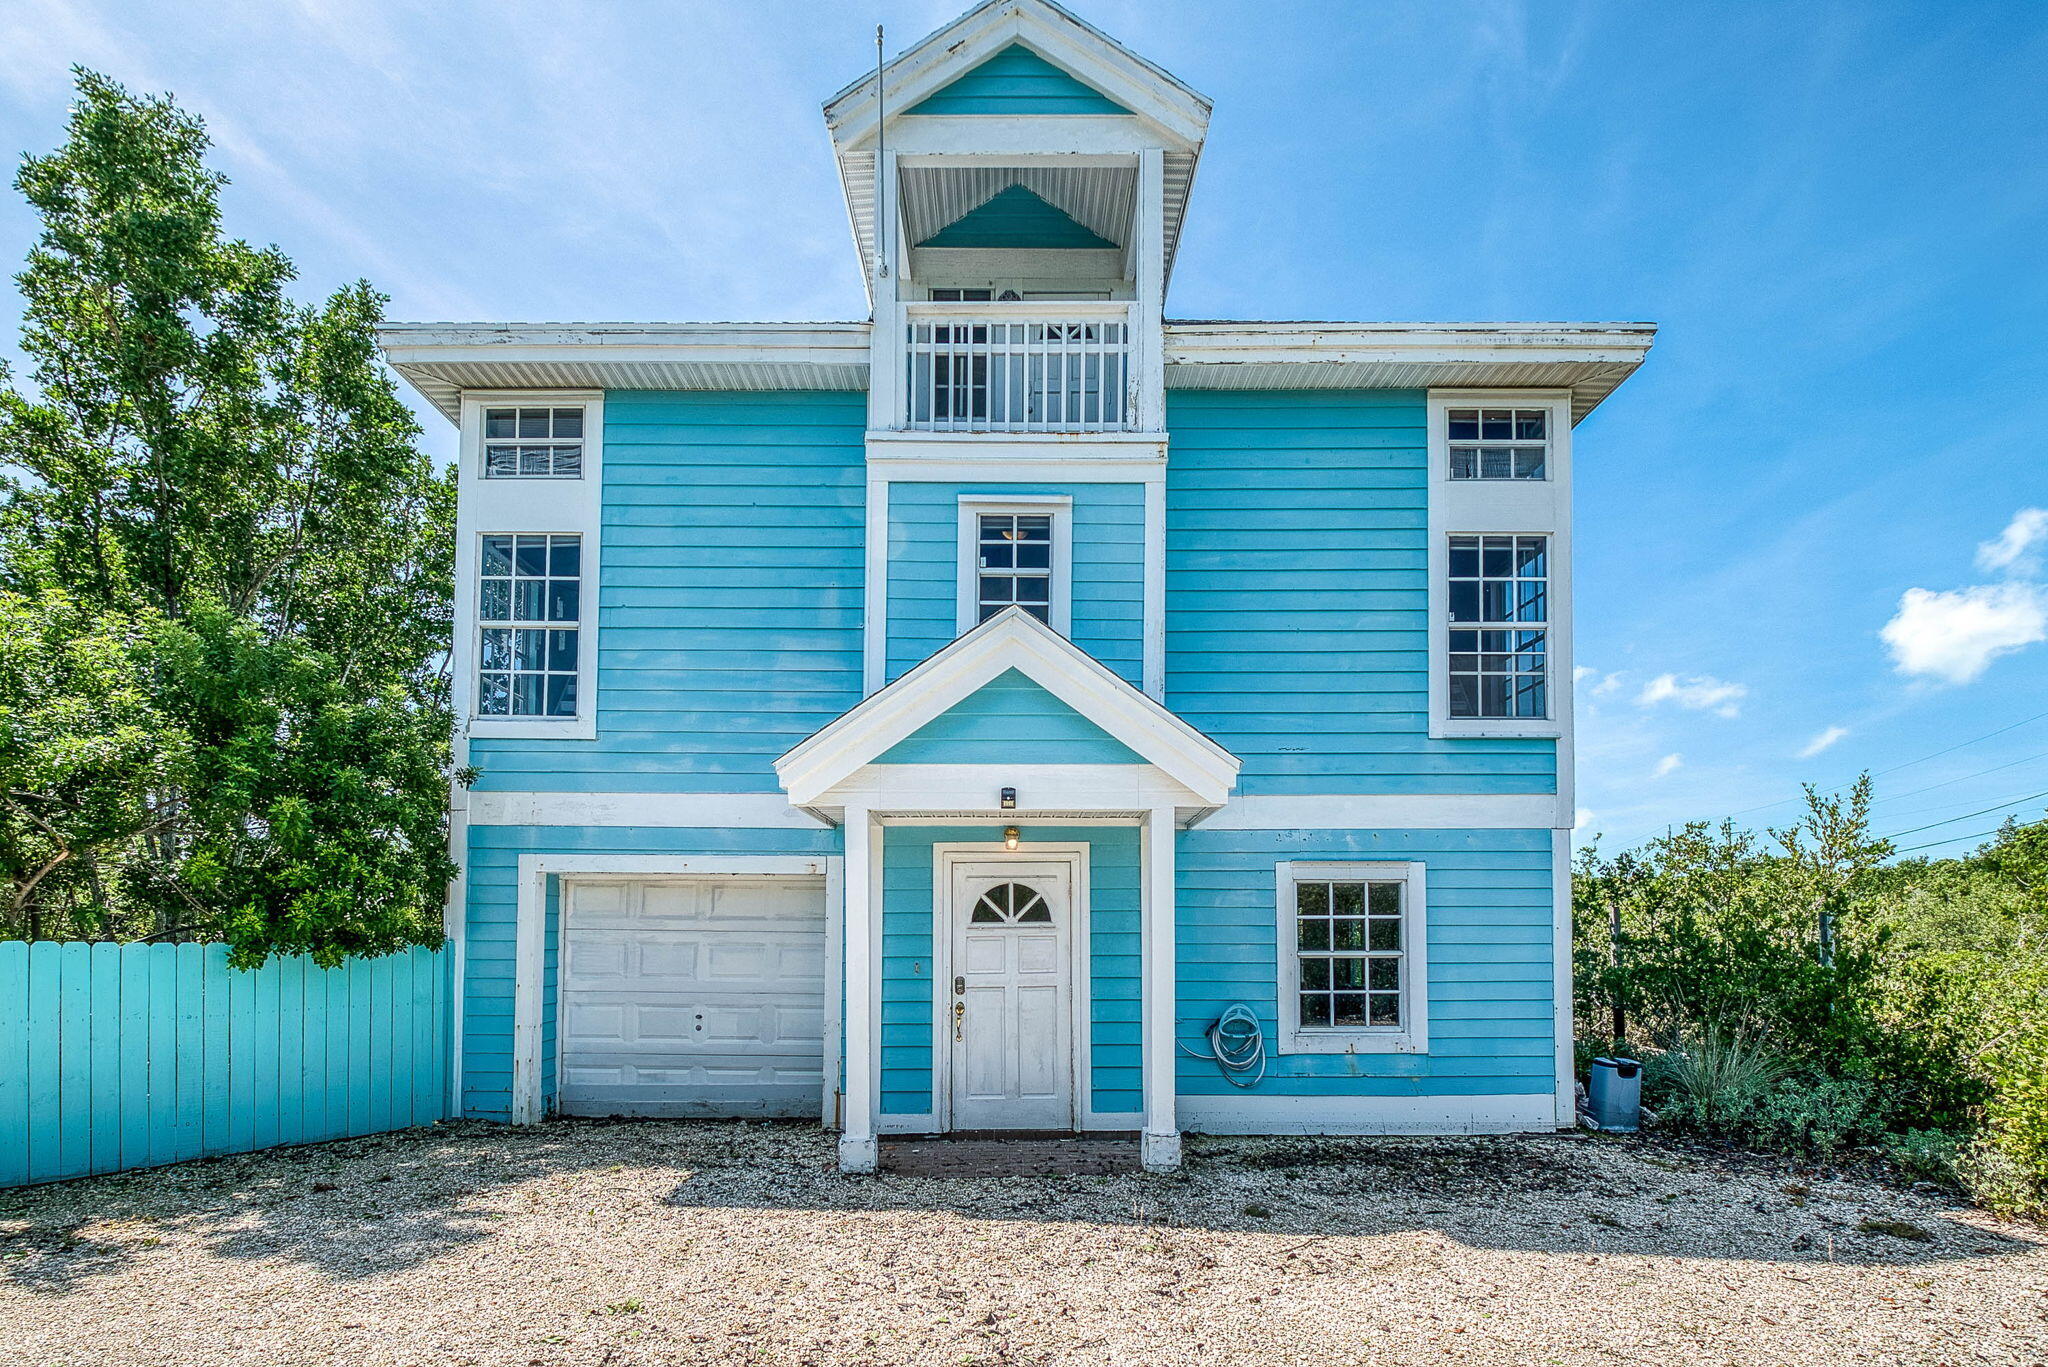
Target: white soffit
pixel 441 360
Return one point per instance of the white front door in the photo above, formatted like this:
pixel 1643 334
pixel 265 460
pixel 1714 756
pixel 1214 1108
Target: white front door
pixel 1011 1018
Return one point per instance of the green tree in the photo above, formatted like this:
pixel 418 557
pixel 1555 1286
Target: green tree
pixel 215 516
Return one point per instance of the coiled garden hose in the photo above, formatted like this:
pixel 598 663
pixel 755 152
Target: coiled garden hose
pixel 1237 1046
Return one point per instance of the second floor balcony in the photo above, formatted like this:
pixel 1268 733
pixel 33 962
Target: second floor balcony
pixel 1034 366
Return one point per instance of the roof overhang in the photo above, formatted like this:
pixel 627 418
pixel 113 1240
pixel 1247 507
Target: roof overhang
pixel 1165 111
pixel 441 360
pixel 824 771
pixel 1589 359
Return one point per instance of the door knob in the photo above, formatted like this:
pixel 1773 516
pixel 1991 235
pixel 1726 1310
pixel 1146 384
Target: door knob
pixel 959 1014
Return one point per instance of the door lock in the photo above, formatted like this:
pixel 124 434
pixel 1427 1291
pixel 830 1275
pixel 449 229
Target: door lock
pixel 959 1014
pixel 959 985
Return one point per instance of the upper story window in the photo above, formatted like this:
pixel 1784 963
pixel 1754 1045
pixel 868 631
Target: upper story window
pixel 529 613
pixel 1013 561
pixel 533 443
pixel 1352 963
pixel 1499 443
pixel 1499 594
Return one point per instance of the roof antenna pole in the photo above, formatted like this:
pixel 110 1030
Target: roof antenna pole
pixel 881 177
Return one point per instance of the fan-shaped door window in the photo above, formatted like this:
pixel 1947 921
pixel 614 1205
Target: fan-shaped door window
pixel 1010 904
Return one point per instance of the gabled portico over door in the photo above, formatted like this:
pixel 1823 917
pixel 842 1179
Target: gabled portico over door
pixel 1081 747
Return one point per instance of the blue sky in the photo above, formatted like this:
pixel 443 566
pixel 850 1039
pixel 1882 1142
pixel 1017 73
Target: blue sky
pixel 1803 539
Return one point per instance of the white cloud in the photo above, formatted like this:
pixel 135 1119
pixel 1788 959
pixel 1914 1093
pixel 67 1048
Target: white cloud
pixel 1700 692
pixel 1667 766
pixel 1582 817
pixel 2017 549
pixel 1954 636
pixel 1822 741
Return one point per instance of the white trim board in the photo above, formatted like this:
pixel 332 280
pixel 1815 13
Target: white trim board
pixel 746 811
pixel 1377 812
pixel 1413 1035
pixel 530 935
pixel 967 548
pixel 1251 1113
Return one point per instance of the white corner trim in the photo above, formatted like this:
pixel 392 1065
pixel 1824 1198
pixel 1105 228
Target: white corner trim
pixel 966 577
pixel 529 954
pixel 1372 812
pixel 1413 1037
pixel 1532 507
pixel 1010 640
pixel 874 640
pixel 1265 1113
pixel 487 507
pixel 1154 590
pixel 1561 973
pixel 751 811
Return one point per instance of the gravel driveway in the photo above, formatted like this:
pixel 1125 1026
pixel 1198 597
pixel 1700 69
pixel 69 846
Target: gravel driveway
pixel 672 1242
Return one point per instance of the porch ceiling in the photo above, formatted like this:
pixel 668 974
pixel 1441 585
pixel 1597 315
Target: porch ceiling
pixel 1102 199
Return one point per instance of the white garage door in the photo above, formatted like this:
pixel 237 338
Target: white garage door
pixel 699 996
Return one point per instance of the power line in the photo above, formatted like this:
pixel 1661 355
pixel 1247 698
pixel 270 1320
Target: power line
pixel 1981 835
pixel 1915 830
pixel 1964 778
pixel 1952 802
pixel 1907 765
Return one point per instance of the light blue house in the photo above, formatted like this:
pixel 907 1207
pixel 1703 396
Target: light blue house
pixel 938 723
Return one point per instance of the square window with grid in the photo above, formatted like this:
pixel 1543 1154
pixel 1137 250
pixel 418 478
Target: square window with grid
pixel 529 605
pixel 533 443
pixel 1499 626
pixel 1013 564
pixel 1350 953
pixel 1499 443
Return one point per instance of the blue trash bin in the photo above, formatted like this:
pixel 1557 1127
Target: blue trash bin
pixel 1614 1095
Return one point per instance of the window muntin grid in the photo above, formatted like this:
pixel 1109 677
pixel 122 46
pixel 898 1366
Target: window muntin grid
pixel 1013 564
pixel 1499 607
pixel 1499 443
pixel 529 607
pixel 533 443
pixel 1350 953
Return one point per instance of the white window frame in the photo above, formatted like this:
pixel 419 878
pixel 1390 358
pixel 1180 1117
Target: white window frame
pixel 1502 507
pixel 486 442
pixel 1412 1036
pixel 534 506
pixel 1548 442
pixel 479 625
pixel 967 606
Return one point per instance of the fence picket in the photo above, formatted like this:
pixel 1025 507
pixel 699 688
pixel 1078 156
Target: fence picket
pixel 116 1056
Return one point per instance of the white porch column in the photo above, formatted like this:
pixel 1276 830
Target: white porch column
pixel 857 1105
pixel 1159 1149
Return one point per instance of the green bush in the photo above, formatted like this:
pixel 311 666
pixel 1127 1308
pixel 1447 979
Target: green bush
pixel 1928 1155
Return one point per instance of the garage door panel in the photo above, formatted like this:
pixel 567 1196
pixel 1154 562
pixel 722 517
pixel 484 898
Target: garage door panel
pixel 693 997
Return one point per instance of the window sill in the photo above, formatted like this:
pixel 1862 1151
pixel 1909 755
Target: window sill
pixel 558 728
pixel 1351 1042
pixel 1493 728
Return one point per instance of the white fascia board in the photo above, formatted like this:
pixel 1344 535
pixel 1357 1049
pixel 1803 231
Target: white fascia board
pixel 1082 50
pixel 999 450
pixel 1235 343
pixel 1043 790
pixel 626 343
pixel 1013 639
pixel 751 811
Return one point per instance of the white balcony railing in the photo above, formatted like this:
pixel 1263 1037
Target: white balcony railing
pixel 1031 367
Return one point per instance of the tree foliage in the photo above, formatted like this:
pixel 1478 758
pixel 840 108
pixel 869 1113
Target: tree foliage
pixel 226 567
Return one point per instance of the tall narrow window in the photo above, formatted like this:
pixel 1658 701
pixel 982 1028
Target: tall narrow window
pixel 1499 626
pixel 1014 564
pixel 1499 443
pixel 533 443
pixel 529 607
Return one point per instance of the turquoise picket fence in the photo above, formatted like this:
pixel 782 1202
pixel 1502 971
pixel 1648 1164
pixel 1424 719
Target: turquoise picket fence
pixel 118 1056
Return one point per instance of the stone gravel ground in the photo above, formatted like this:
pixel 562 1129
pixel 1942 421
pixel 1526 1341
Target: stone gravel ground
pixel 678 1242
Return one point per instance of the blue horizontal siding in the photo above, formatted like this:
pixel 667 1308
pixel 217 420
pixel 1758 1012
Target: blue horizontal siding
pixel 1490 959
pixel 1007 718
pixel 907 915
pixel 1107 582
pixel 1297 596
pixel 1016 81
pixel 729 604
pixel 491 902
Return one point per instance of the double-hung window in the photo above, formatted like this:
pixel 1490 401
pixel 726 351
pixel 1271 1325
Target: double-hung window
pixel 1499 443
pixel 533 443
pixel 1352 957
pixel 1499 596
pixel 1015 553
pixel 529 619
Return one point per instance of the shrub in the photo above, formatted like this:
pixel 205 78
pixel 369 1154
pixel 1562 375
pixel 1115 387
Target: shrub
pixel 1714 1080
pixel 1928 1155
pixel 1816 1115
